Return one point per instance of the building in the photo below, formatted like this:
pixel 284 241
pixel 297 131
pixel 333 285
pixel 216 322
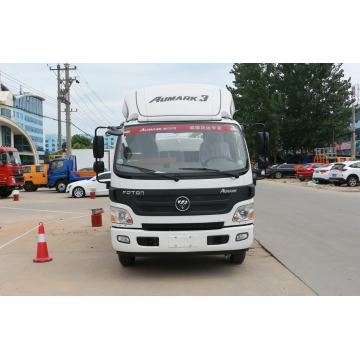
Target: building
pixel 51 143
pixel 110 141
pixel 28 113
pixel 13 134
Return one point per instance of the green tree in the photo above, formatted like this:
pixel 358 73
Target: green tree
pixel 258 100
pixel 80 142
pixel 317 102
pixel 303 106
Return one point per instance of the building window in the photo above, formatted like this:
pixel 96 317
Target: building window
pixel 6 113
pixel 5 136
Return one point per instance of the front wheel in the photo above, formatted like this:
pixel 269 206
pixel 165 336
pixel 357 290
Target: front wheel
pixel 126 260
pixel 5 192
pixel 238 257
pixel 278 175
pixel 78 192
pixel 61 186
pixel 29 186
pixel 352 181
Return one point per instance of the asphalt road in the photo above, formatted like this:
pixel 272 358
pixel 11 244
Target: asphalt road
pixel 85 264
pixel 314 233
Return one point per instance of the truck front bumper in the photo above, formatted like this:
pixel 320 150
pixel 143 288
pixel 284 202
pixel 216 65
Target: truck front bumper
pixel 222 241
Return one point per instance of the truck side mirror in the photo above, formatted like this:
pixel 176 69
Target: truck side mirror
pixel 99 167
pixel 98 147
pixel 4 158
pixel 263 149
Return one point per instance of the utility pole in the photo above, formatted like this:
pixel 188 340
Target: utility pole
pixel 64 97
pixel 59 101
pixel 353 132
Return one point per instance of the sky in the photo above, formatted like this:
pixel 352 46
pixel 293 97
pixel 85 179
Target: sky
pixel 105 84
pixel 108 83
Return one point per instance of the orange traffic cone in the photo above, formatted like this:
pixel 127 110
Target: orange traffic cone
pixel 42 251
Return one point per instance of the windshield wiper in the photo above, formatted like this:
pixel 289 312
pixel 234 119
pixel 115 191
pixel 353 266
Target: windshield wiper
pixel 151 171
pixel 226 173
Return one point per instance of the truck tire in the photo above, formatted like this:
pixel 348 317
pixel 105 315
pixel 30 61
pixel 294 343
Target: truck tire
pixel 78 192
pixel 60 186
pixel 238 257
pixel 278 175
pixel 126 260
pixel 29 186
pixel 352 181
pixel 5 192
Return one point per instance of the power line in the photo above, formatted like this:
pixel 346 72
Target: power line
pixel 50 100
pixel 91 114
pixel 19 82
pixel 47 117
pixel 96 110
pixel 95 94
pixel 46 97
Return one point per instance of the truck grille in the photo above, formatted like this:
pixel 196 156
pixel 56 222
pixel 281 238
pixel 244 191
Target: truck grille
pixel 183 227
pixel 162 202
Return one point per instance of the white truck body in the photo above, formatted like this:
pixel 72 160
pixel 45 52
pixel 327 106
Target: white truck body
pixel 194 213
pixel 85 158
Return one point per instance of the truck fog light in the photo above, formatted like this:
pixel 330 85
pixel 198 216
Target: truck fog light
pixel 242 236
pixel 123 239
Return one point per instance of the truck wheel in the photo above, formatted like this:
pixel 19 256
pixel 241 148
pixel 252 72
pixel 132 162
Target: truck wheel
pixel 238 258
pixel 352 181
pixel 61 186
pixel 5 192
pixel 126 260
pixel 78 192
pixel 29 186
pixel 278 175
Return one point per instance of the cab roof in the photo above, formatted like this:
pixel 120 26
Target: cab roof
pixel 179 102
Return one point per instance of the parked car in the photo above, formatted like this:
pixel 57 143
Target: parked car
pixel 347 172
pixel 283 170
pixel 322 174
pixel 82 188
pixel 306 171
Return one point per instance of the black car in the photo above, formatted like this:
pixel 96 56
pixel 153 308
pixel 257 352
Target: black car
pixel 283 170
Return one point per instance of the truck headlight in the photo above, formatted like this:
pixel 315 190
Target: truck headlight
pixel 244 214
pixel 120 216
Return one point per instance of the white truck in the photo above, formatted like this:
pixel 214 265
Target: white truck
pixel 181 180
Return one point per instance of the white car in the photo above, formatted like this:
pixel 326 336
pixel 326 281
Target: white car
pixel 346 172
pixel 322 174
pixel 82 188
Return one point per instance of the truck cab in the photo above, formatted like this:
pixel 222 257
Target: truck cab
pixel 35 176
pixel 63 171
pixel 11 174
pixel 181 180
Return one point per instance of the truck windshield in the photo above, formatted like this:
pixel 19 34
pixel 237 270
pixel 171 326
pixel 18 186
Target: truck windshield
pixel 14 158
pixel 193 149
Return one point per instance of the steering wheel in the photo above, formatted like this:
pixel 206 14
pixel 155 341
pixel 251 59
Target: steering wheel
pixel 217 157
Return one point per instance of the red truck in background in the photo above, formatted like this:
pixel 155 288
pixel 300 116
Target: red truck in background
pixel 11 173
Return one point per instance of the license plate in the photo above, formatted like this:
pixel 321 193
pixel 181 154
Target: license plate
pixel 184 241
pixel 333 175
